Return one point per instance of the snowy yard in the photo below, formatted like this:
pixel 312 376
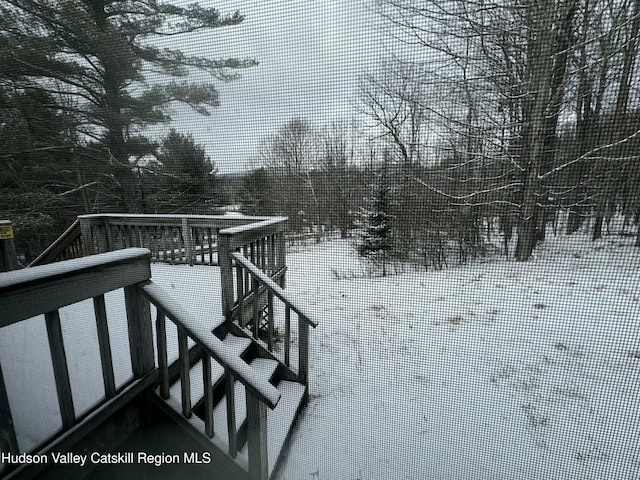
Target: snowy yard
pixel 490 371
pixel 498 370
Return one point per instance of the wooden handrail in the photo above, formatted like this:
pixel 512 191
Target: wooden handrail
pixel 213 346
pixel 31 291
pixel 273 287
pixel 63 242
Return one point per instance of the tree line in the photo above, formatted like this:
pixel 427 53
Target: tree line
pixel 520 107
pixel 79 83
pixel 489 116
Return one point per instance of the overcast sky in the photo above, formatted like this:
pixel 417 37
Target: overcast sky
pixel 311 56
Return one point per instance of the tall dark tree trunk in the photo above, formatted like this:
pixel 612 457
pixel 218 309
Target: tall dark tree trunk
pixel 617 129
pixel 548 51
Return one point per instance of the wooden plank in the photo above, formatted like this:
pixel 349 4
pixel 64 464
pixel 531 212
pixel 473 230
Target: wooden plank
pixel 244 234
pixel 201 333
pixel 231 413
pixel 256 307
pixel 240 280
pixel 188 241
pixel 140 331
pixel 263 254
pixel 8 440
pixel 270 322
pixel 226 468
pixel 257 438
pixel 213 221
pixel 281 263
pixel 28 298
pixel 208 233
pixel 104 345
pixel 287 335
pixel 226 275
pixel 185 380
pixel 303 349
pixel 163 363
pixel 208 395
pixel 76 434
pixel 272 255
pixel 271 285
pixel 68 238
pixel 60 368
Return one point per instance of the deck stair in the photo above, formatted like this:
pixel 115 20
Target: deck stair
pixel 280 420
pixel 238 381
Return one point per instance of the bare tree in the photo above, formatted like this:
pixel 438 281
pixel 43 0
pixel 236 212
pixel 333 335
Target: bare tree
pixel 509 71
pixel 290 155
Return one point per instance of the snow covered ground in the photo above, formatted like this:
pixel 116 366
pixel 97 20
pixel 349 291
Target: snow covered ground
pixel 496 370
pixel 499 370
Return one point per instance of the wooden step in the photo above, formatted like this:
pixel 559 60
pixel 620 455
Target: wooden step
pixel 280 420
pixel 266 369
pixel 237 344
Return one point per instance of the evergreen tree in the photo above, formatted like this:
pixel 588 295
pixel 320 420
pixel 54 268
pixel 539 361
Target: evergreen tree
pixel 375 236
pixel 96 59
pixel 184 179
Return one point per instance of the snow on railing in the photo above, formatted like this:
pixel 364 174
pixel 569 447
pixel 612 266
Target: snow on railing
pixel 45 289
pixel 65 247
pixel 175 239
pixel 263 243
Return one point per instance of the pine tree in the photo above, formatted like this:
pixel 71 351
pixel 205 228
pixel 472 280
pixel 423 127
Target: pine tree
pixel 97 59
pixel 375 236
pixel 185 178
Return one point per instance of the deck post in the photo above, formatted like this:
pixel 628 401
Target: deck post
pixel 281 249
pixel 8 441
pixel 303 350
pixel 85 235
pixel 257 438
pixel 8 257
pixel 189 250
pixel 140 331
pixel 226 274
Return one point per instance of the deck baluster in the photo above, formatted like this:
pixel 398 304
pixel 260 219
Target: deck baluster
pixel 208 394
pixel 257 438
pixel 303 349
pixel 104 346
pixel 287 334
pixel 185 381
pixel 231 413
pixel 60 368
pixel 163 364
pixel 270 322
pixel 8 440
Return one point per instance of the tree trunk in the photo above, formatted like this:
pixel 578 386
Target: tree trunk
pixel 597 227
pixel 114 79
pixel 548 46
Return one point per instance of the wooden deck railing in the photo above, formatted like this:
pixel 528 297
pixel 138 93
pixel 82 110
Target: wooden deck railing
pixel 67 246
pixel 44 290
pixel 263 243
pixel 259 393
pixel 175 239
